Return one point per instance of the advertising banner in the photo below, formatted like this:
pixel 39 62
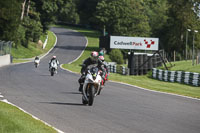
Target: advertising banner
pixel 139 43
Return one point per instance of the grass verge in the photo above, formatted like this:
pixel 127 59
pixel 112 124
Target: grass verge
pixel 185 66
pixel 13 120
pixel 21 53
pixel 141 81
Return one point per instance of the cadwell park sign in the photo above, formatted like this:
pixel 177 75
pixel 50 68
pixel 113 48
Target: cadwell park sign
pixel 138 43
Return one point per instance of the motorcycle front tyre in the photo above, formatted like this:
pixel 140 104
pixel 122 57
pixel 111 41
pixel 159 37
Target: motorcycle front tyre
pixel 36 65
pixel 91 92
pixel 52 72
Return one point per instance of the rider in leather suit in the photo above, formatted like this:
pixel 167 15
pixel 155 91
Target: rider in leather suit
pixel 92 60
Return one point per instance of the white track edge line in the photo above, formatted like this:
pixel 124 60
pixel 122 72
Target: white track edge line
pixel 6 101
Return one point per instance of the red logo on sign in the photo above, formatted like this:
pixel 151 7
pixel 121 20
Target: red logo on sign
pixel 149 44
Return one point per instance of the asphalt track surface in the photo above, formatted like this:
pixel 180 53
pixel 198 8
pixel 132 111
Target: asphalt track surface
pixel 119 108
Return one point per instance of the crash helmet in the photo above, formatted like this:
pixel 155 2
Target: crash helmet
pixel 101 58
pixel 101 53
pixel 94 55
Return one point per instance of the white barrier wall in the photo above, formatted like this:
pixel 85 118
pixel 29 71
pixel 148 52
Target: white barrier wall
pixel 5 60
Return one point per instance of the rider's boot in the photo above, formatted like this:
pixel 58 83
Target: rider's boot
pixel 81 88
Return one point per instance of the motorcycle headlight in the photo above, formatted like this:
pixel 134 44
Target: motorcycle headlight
pixel 94 76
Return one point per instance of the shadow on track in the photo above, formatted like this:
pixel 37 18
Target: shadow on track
pixel 71 92
pixel 71 47
pixel 45 75
pixel 70 34
pixel 59 103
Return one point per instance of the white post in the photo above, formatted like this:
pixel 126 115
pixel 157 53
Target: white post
pixel 195 31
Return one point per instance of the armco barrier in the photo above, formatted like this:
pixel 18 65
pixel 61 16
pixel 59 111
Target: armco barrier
pixel 177 76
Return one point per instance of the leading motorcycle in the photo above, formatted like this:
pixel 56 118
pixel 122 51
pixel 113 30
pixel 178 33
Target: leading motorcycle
pixel 91 86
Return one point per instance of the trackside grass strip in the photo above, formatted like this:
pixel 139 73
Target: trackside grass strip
pixel 144 81
pixel 13 120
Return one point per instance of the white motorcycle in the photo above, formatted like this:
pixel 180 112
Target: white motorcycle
pixel 36 62
pixel 53 68
pixel 91 86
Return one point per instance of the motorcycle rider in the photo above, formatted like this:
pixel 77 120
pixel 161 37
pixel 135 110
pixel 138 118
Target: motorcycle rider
pixel 102 52
pixel 105 68
pixel 37 60
pixel 92 60
pixel 56 61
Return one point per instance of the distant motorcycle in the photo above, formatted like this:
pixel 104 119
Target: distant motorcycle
pixel 53 68
pixel 36 62
pixel 91 86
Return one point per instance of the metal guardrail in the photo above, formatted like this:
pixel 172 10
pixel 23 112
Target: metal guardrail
pixel 5 47
pixel 177 76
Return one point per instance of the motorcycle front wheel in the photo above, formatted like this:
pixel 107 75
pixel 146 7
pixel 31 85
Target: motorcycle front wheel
pixel 91 92
pixel 52 72
pixel 36 65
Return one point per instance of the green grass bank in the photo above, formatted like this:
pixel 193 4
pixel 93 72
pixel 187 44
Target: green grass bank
pixel 22 54
pixel 13 120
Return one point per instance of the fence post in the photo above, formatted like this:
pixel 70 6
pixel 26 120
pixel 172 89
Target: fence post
pixel 1 43
pixel 197 61
pixel 174 55
pixel 10 47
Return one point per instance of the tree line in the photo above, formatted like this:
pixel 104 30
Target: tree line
pixel 26 20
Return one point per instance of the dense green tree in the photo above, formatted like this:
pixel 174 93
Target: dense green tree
pixel 68 12
pixel 86 10
pixel 47 10
pixel 156 10
pixel 122 17
pixel 10 11
pixel 30 27
pixel 25 20
pixel 181 16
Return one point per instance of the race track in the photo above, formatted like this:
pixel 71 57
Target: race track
pixel 119 108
